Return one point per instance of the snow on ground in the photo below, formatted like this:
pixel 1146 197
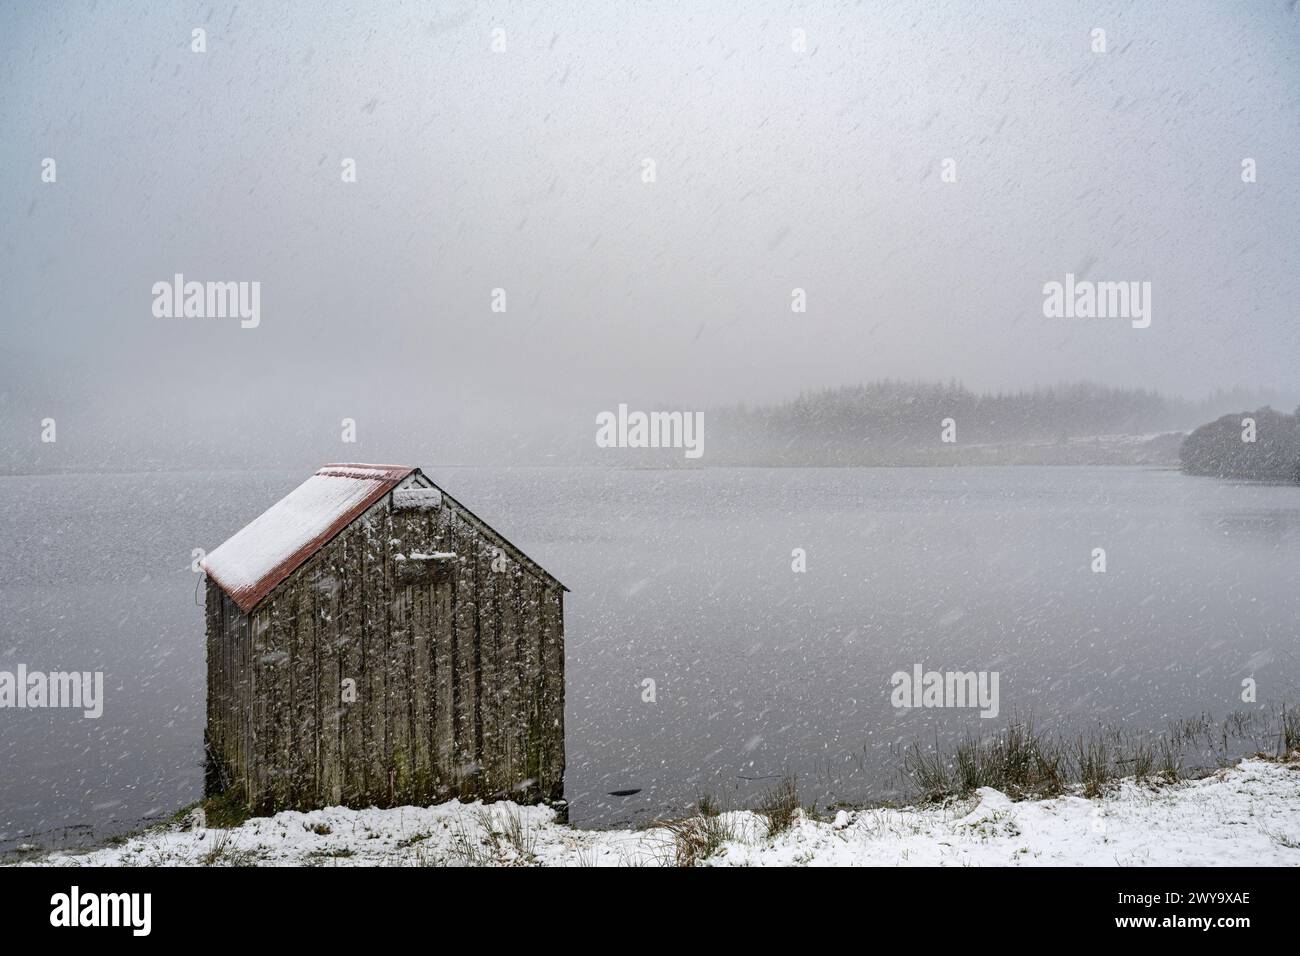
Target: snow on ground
pixel 1245 815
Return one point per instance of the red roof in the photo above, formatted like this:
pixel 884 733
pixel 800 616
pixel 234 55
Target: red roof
pixel 254 561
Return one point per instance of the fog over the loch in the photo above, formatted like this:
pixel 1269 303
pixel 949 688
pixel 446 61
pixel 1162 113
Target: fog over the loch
pixel 823 169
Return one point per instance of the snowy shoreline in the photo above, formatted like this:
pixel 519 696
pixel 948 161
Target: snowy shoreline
pixel 1247 815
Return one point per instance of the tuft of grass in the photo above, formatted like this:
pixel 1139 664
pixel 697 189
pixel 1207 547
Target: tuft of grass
pixel 929 772
pixel 780 805
pixel 1170 765
pixel 518 834
pixel 1018 761
pixel 1024 762
pixel 1290 733
pixel 1093 766
pixel 222 853
pixel 1143 761
pixel 504 828
pixel 695 839
pixel 1281 839
pixel 466 849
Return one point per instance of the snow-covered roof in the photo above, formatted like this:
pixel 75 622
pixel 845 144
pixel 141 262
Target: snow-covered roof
pixel 264 552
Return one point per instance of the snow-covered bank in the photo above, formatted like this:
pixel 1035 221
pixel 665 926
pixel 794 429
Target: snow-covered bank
pixel 1246 815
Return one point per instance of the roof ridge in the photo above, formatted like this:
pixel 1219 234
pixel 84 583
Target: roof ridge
pixel 365 470
pixel 360 464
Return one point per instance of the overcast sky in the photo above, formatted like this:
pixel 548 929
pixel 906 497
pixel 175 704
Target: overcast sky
pixel 523 170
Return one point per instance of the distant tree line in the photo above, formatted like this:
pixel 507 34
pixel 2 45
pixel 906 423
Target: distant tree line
pixel 1261 445
pixel 898 422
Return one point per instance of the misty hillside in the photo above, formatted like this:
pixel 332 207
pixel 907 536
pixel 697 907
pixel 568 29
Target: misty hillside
pixel 1224 448
pixel 893 422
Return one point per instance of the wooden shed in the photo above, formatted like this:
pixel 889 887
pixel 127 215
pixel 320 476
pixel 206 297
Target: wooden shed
pixel 371 641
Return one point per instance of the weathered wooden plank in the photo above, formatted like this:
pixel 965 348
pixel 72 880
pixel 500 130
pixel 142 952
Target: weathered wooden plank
pixel 329 645
pixel 523 699
pixel 474 569
pixel 445 664
pixel 276 698
pixel 352 756
pixel 371 706
pixel 397 701
pixel 285 628
pixel 317 607
pixel 213 732
pixel 260 754
pixel 471 657
pixel 553 690
pixel 282 641
pixel 549 690
pixel 277 713
pixel 239 637
pixel 421 625
pixel 421 768
pixel 531 644
pixel 396 685
pixel 466 662
pixel 305 696
pixel 243 636
pixel 410 657
pixel 507 675
pixel 211 724
pixel 386 618
pixel 233 730
pixel 489 627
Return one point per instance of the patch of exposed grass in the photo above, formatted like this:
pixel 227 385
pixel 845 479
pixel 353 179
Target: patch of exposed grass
pixel 466 848
pixel 1018 761
pixel 1142 763
pixel 1025 764
pixel 222 853
pixel 695 839
pixel 336 853
pixel 518 834
pixel 1093 766
pixel 413 839
pixel 1281 839
pixel 1290 730
pixel 503 829
pixel 1170 766
pixel 780 805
